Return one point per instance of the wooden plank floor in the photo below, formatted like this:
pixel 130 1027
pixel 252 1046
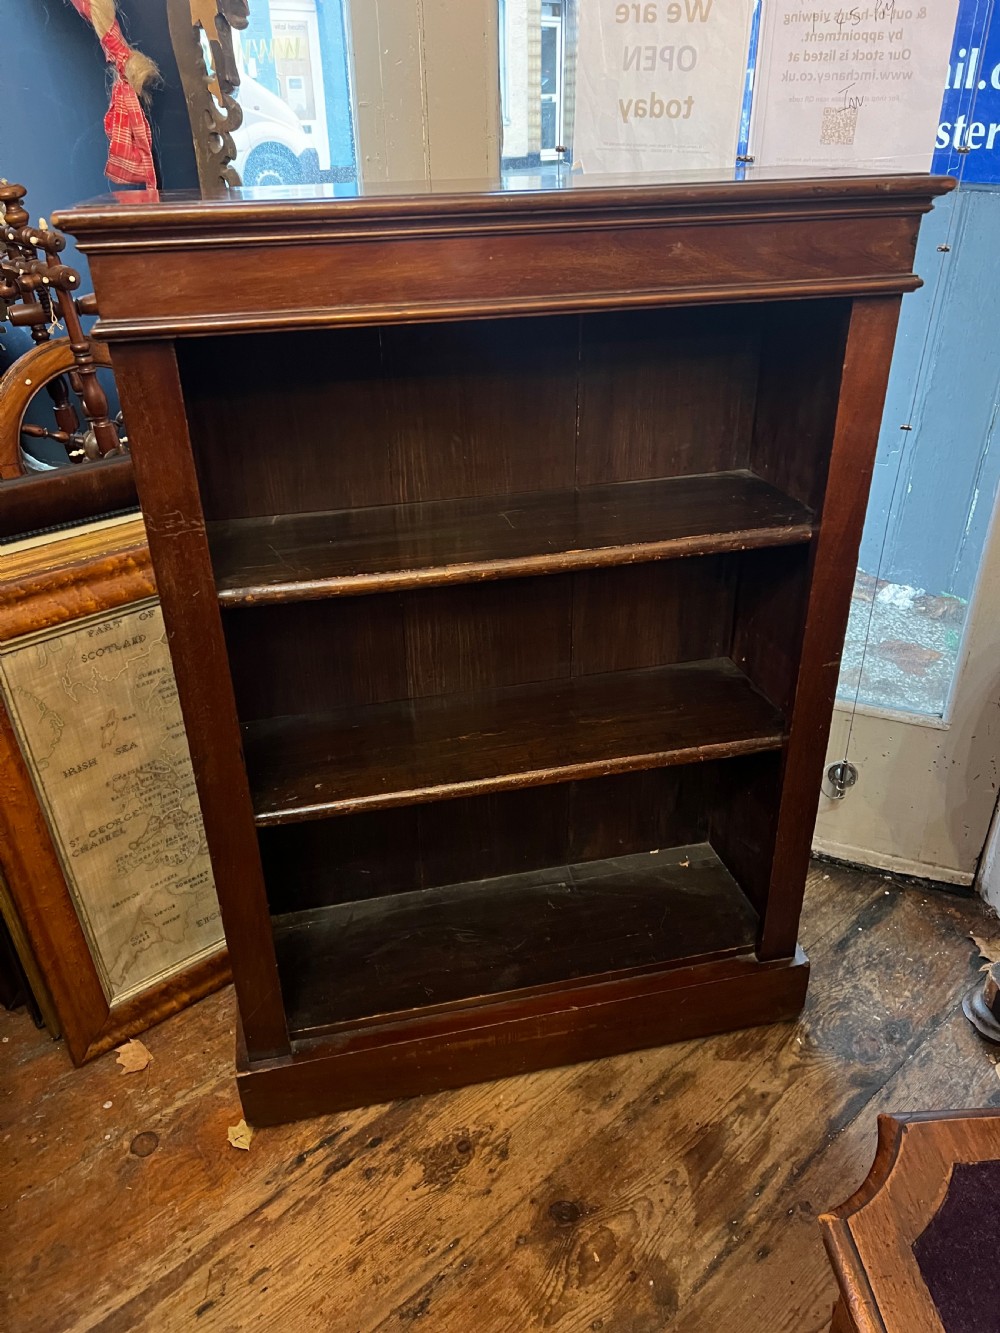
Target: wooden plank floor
pixel 670 1190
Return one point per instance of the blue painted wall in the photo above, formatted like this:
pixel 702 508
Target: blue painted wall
pixel 935 485
pixel 52 124
pixel 55 96
pixel 51 127
pixel 144 23
pixel 51 132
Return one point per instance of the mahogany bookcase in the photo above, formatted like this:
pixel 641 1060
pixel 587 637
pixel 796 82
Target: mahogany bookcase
pixel 505 543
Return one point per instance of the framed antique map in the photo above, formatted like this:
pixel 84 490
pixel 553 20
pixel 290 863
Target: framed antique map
pixel 103 847
pixel 95 708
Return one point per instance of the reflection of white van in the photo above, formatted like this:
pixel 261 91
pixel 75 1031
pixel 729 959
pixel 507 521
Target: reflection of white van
pixel 272 147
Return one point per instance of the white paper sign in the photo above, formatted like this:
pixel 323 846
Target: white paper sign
pixel 850 87
pixel 660 84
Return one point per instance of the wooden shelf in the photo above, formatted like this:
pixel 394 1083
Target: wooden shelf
pixel 447 945
pixel 406 752
pixel 299 557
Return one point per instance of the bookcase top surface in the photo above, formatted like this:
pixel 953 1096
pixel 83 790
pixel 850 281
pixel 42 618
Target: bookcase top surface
pixel 112 218
pixel 251 260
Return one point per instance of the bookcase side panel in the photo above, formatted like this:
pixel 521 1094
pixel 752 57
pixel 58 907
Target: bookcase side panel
pixel 802 355
pixel 863 380
pixel 153 402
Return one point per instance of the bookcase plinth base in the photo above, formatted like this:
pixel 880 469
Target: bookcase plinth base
pixel 518 1034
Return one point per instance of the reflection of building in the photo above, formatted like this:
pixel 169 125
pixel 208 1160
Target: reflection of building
pixel 298 66
pixel 298 50
pixel 537 80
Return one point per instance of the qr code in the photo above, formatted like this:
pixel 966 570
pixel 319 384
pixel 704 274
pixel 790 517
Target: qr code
pixel 839 126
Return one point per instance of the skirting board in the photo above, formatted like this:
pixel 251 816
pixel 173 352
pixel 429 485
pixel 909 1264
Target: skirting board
pixel 898 865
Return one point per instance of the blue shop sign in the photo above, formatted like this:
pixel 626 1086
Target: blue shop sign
pixel 968 139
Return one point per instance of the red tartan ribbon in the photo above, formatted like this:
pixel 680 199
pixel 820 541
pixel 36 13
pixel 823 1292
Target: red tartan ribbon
pixel 130 147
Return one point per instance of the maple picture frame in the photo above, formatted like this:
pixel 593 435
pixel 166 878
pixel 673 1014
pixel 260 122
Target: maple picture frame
pixel 47 585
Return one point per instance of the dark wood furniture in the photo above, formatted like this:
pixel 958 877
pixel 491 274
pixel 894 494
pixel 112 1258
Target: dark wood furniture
pixel 505 542
pixel 30 502
pixel 915 1249
pixel 35 290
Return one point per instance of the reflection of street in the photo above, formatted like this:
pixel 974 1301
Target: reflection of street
pixel 914 638
pixel 295 95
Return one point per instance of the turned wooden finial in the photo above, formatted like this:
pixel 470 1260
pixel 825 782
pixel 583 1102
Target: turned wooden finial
pixel 12 197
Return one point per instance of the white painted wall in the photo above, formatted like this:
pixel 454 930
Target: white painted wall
pixel 427 89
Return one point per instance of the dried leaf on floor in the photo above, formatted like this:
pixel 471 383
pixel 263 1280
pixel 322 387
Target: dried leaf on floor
pixel 950 610
pixel 240 1135
pixel 133 1056
pixel 988 946
pixel 909 657
pixel 866 586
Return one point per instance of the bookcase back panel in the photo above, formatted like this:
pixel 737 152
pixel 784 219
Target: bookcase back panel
pixel 355 417
pixel 316 657
pixel 770 618
pixel 666 393
pixel 345 418
pixel 802 358
pixel 743 821
pixel 364 856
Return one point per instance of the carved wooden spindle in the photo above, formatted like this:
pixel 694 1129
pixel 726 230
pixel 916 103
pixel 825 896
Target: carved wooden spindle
pixel 62 406
pixel 65 281
pixel 32 277
pixel 17 218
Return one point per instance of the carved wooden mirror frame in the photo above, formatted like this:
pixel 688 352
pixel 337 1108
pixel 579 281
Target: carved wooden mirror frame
pixel 212 109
